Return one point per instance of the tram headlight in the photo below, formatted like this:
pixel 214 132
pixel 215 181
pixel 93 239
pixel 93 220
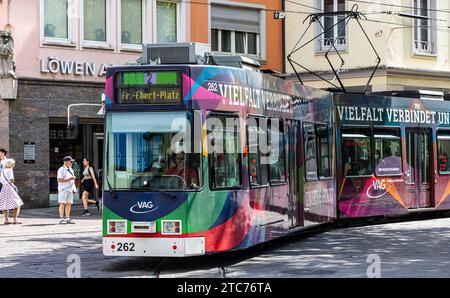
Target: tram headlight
pixel 117 226
pixel 171 227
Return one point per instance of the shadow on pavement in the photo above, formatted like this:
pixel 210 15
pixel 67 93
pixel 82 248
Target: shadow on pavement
pixel 406 249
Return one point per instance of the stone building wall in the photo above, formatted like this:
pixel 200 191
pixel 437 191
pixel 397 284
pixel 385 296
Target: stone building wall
pixel 30 116
pixel 4 123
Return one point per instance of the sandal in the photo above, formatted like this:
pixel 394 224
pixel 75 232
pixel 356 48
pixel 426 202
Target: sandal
pixel 17 223
pixel 7 223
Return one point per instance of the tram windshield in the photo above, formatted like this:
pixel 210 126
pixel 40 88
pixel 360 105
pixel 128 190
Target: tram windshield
pixel 151 151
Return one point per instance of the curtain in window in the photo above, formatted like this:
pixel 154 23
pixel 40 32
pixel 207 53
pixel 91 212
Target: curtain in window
pixel 424 23
pixel 328 22
pixel 214 40
pixel 95 20
pixel 252 40
pixel 239 42
pixel 131 22
pixel 341 27
pixel 226 41
pixel 166 14
pixel 55 19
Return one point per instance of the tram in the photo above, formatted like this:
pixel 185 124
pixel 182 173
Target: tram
pixel 203 159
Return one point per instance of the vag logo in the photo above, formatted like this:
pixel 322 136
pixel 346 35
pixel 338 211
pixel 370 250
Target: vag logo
pixel 143 207
pixel 377 189
pixel 379 185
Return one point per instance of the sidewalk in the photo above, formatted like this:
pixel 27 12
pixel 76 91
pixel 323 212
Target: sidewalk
pixel 53 212
pixel 40 246
pixel 45 221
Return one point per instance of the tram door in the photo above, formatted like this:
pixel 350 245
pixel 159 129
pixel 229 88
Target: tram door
pixel 418 158
pixel 293 128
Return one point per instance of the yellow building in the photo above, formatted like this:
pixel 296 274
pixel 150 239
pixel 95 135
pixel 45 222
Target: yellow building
pixel 411 37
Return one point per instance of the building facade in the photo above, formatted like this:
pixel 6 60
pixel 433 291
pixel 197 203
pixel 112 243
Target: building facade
pixel 61 51
pixel 411 37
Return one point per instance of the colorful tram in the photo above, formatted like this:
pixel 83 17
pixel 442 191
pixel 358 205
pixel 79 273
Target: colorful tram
pixel 206 159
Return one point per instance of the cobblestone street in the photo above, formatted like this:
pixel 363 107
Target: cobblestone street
pixel 40 247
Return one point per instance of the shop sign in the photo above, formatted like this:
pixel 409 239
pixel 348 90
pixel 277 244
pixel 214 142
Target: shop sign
pixel 58 66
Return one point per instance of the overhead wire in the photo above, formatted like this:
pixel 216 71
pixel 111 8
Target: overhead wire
pixel 357 1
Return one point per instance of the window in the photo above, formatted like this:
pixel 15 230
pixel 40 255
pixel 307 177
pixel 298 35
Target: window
pixel 214 40
pixel 225 45
pixel 131 21
pixel 388 152
pixel 252 43
pixel 234 42
pixel 336 34
pixel 324 150
pixel 239 43
pixel 166 21
pixel 309 137
pixel 277 157
pixel 56 23
pixel 148 151
pixel 424 33
pixel 235 30
pixel 356 151
pixel 223 147
pixel 95 20
pixel 257 151
pixel 424 158
pixel 410 156
pixel 444 152
pixel 120 151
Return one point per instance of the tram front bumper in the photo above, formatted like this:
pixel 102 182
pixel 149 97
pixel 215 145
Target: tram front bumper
pixel 153 247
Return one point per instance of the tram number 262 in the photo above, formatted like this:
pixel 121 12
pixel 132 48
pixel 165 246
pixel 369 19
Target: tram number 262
pixel 125 246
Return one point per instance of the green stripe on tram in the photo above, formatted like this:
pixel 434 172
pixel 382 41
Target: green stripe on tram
pixel 201 209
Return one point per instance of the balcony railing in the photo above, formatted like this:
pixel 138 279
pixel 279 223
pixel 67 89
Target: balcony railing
pixel 340 43
pixel 424 47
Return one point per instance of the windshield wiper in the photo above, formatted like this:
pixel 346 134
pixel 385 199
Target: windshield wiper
pixel 111 190
pixel 170 196
pixel 114 194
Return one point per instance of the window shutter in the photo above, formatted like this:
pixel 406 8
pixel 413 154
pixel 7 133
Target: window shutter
pixel 235 18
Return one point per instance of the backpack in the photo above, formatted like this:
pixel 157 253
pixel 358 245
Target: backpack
pixel 97 175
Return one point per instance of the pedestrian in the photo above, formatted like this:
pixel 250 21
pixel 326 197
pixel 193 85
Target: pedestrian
pixel 3 153
pixel 9 197
pixel 66 190
pixel 88 183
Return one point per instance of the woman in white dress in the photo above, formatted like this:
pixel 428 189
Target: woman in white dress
pixel 9 198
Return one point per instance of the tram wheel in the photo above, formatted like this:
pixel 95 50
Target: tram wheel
pixel 342 223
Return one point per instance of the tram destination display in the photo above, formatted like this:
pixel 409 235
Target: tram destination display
pixel 151 87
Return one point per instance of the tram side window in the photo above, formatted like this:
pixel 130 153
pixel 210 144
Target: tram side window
pixel 257 151
pixel 444 152
pixel 356 151
pixel 388 156
pixel 309 138
pixel 277 157
pixel 324 150
pixel 224 154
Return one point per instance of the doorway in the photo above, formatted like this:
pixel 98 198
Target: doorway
pixel 419 161
pixel 85 141
pixel 293 133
